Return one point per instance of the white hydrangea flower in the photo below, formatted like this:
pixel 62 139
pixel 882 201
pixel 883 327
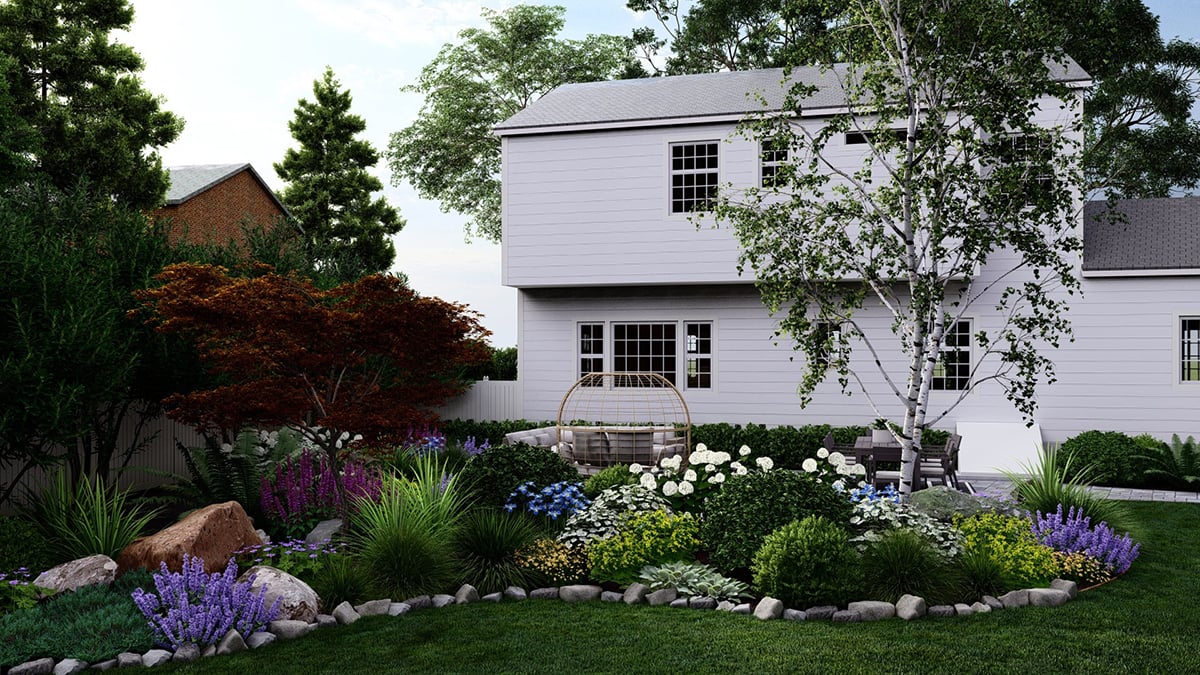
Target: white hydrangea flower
pixel 738 469
pixel 672 462
pixel 635 468
pixel 686 488
pixel 689 475
pixel 701 457
pixel 822 453
pixel 647 481
pixel 720 457
pixel 717 479
pixel 709 468
pixel 744 451
pixel 842 469
pixel 860 470
pixel 670 488
pixel 764 463
pixel 836 458
pixel 700 447
pixel 809 465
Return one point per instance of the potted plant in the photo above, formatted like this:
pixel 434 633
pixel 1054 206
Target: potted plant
pixel 880 433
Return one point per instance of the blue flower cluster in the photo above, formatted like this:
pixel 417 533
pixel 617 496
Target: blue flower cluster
pixel 472 448
pixel 191 606
pixel 560 499
pixel 868 493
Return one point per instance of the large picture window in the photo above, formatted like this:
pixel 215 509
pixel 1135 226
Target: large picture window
pixel 1189 349
pixel 693 176
pixel 644 348
pixel 953 369
pixel 680 351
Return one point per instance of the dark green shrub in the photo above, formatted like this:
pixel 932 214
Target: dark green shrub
pixel 1175 466
pixel 1108 456
pixel 21 545
pixel 340 579
pixel 643 539
pixel 902 561
pixel 92 624
pixel 751 506
pixel 808 562
pixel 609 477
pixel 486 544
pixel 492 475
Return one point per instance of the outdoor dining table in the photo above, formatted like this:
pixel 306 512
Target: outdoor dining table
pixel 870 453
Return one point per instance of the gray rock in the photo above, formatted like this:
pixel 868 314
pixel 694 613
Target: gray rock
pixel 89 571
pixel 702 602
pixel 515 593
pixel 155 657
pixel 466 593
pixel 68 666
pixel 493 597
pixel 992 602
pixel 420 602
pixel 611 596
pixel 910 607
pixel 187 652
pixel 1048 597
pixel 768 608
pixel 941 611
pixel 679 603
pixel 39 667
pixel 374 607
pixel 106 665
pixel 820 613
pixel 579 593
pixel 962 609
pixel 873 610
pixel 290 629
pixel 208 651
pixel 743 608
pixel 261 639
pixel 544 594
pixel 725 606
pixel 636 593
pixel 1013 599
pixel 980 607
pixel 847 616
pixel 663 596
pixel 297 600
pixel 129 660
pixel 442 600
pixel 794 615
pixel 231 643
pixel 326 620
pixel 398 608
pixel 1071 588
pixel 325 530
pixel 345 614
pixel 262 534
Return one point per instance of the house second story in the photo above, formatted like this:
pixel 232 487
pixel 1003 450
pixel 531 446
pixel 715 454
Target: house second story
pixel 608 183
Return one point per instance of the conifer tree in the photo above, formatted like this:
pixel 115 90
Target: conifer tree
pixel 329 191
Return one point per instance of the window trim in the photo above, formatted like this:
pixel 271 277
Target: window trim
pixel 671 173
pixel 579 352
pixel 680 356
pixel 1179 350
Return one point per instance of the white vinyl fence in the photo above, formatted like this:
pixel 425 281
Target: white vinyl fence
pixel 487 400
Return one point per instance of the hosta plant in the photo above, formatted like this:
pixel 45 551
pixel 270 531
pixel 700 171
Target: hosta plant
pixel 693 579
pixel 872 518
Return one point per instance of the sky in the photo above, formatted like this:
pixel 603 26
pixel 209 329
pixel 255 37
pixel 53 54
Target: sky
pixel 235 70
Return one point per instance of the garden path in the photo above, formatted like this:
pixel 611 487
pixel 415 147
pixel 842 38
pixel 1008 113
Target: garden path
pixel 995 485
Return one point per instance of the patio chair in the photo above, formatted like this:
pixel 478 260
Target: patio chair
pixel 942 463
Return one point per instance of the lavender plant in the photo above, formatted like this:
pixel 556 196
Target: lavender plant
pixel 304 491
pixel 563 498
pixel 1072 532
pixel 191 606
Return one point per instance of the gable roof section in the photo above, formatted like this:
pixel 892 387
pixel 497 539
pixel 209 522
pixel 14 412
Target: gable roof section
pixel 1148 237
pixel 189 181
pixel 704 97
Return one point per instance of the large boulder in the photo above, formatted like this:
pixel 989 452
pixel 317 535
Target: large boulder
pixel 212 533
pixel 94 569
pixel 297 600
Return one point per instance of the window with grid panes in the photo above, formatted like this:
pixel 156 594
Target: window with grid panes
pixel 591 349
pixel 693 176
pixel 831 338
pixel 1030 154
pixel 1189 349
pixel 643 348
pixel 698 345
pixel 774 155
pixel 953 369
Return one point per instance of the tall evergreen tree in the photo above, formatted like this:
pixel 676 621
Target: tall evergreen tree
pixel 79 91
pixel 329 191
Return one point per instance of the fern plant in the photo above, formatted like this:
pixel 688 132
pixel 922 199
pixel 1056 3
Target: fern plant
pixel 1175 466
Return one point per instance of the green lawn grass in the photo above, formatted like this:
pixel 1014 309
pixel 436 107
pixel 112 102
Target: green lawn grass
pixel 1143 622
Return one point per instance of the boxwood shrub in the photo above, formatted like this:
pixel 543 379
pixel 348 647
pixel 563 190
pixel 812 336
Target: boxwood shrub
pixel 1107 456
pixel 808 562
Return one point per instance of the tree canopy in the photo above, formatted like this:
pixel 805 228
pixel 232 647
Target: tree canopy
pixel 329 189
pixel 449 153
pixel 958 223
pixel 79 93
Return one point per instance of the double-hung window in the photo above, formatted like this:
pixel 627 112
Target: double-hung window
pixel 953 368
pixel 693 176
pixel 773 156
pixel 591 350
pixel 1189 349
pixel 699 355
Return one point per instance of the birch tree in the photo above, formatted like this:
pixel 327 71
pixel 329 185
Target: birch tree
pixel 964 204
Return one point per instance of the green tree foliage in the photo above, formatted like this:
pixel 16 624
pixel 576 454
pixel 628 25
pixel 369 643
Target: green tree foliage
pixel 80 93
pixel 16 136
pixel 329 190
pixel 969 173
pixel 449 153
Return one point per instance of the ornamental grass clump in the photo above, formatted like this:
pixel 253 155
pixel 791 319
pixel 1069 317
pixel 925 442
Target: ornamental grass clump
pixel 1055 479
pixel 486 544
pixel 88 518
pixel 1072 532
pixel 191 606
pixel 903 561
pixel 304 492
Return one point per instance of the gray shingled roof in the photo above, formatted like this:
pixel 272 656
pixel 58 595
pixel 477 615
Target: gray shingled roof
pixel 706 95
pixel 1154 234
pixel 189 181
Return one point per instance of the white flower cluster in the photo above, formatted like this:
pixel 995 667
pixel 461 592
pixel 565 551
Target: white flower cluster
pixel 707 470
pixel 835 468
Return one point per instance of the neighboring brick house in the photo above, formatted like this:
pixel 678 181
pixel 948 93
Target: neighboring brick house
pixel 210 203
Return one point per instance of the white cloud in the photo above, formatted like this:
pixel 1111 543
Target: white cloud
pixel 397 23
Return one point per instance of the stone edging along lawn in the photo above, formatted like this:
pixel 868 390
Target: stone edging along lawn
pixel 908 607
